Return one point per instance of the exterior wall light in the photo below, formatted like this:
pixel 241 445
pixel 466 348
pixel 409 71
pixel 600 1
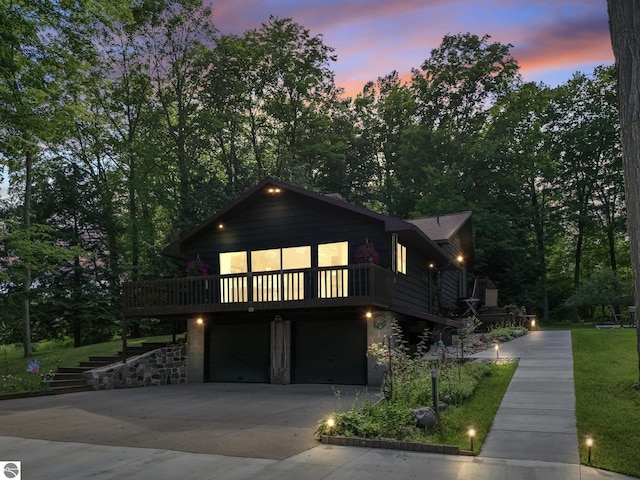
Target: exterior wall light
pixel 460 258
pixel 199 321
pixel 220 226
pixel 471 431
pixel 368 314
pixel 588 440
pixel 274 190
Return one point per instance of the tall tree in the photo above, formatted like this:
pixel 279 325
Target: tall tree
pixel 455 88
pixel 180 44
pixel 624 22
pixel 516 145
pixel 32 68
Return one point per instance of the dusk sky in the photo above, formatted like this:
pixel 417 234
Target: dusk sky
pixel 551 39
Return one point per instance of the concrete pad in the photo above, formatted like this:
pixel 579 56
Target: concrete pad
pixel 530 445
pixel 542 385
pixel 544 422
pixel 539 400
pixel 535 373
pixel 258 420
pixel 567 412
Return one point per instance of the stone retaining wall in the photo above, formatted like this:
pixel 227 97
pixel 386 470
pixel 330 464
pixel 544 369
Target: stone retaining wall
pixel 163 366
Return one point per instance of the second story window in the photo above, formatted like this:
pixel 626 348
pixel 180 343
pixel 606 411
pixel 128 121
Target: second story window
pixel 233 280
pixel 401 253
pixel 333 282
pixel 399 256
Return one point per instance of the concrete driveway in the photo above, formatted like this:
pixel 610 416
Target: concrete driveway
pixel 242 420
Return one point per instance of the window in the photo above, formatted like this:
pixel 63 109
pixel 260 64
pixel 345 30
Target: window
pixel 401 262
pixel 333 282
pixel 295 258
pixel 266 285
pixel 233 278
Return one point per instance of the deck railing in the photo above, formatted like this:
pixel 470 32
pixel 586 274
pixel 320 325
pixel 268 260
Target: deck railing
pixel 349 285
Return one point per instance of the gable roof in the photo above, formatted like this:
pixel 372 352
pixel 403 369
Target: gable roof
pixel 391 224
pixel 442 227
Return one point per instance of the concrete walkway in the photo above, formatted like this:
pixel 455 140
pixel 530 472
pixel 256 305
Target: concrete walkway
pixel 536 419
pixel 533 436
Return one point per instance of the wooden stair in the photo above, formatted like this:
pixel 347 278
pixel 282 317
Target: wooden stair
pixel 70 379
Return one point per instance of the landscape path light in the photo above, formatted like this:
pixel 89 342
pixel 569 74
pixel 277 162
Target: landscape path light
pixel 471 431
pixel 589 442
pixel 331 423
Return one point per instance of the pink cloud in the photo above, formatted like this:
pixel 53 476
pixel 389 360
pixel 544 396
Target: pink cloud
pixel 374 37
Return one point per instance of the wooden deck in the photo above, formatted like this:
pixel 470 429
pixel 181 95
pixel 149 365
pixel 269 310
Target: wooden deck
pixel 350 285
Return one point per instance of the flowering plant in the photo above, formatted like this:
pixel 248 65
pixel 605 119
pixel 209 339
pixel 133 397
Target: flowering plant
pixel 197 267
pixel 367 254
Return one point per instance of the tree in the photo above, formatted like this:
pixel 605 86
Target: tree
pixel 32 70
pixel 455 89
pixel 624 22
pixel 586 150
pixel 516 145
pixel 180 44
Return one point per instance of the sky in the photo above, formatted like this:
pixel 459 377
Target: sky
pixel 552 39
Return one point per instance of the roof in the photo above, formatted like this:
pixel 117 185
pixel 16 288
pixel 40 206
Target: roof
pixel 442 227
pixel 391 224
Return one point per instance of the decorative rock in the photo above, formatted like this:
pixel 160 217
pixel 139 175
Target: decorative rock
pixel 425 417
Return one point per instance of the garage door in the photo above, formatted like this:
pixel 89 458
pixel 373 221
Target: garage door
pixel 330 352
pixel 239 352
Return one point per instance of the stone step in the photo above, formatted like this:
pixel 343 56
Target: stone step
pixel 70 379
pixel 68 382
pixel 73 369
pixel 94 363
pixel 106 359
pixel 72 389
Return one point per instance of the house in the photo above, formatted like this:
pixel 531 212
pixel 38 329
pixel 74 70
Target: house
pixel 292 285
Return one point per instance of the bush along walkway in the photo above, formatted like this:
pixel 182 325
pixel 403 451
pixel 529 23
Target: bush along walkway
pixel 536 419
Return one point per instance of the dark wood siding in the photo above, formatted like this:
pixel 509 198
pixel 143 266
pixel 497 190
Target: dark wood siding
pixel 287 220
pixel 411 290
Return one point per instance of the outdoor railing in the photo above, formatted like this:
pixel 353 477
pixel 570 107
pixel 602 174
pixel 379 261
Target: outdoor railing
pixel 361 284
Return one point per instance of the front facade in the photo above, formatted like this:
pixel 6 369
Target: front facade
pixel 290 286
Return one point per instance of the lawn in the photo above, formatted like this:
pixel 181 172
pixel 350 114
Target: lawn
pixel 479 410
pixel 607 405
pixel 14 377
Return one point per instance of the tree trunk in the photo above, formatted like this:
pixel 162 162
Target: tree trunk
pixel 26 302
pixel 538 224
pixel 624 22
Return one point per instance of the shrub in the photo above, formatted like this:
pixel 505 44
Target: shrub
pixel 505 331
pixel 408 385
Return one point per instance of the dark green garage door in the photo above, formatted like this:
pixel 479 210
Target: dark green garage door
pixel 239 352
pixel 330 352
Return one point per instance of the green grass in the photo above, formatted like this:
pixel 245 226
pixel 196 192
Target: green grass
pixel 15 379
pixel 607 405
pixel 566 326
pixel 479 410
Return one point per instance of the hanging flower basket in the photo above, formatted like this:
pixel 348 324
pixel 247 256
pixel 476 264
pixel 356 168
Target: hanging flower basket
pixel 196 268
pixel 367 254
